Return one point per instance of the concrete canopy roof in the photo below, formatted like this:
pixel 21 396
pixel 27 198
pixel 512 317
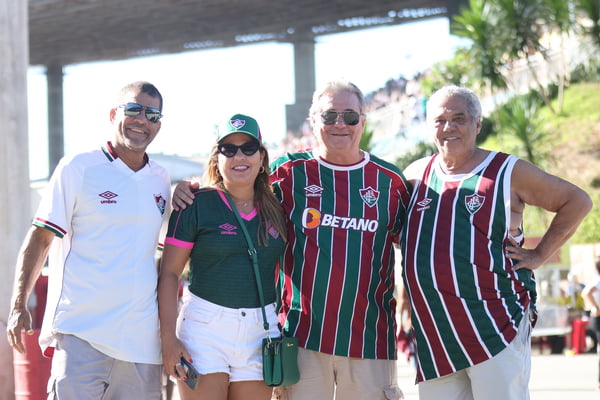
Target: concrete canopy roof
pixel 63 32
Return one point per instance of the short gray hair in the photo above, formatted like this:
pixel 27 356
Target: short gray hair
pixel 337 86
pixel 451 91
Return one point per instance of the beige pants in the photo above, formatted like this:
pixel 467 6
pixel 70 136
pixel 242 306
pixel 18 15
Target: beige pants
pixel 80 372
pixel 324 376
pixel 503 377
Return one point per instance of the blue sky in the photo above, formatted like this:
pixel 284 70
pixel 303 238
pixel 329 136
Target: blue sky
pixel 200 88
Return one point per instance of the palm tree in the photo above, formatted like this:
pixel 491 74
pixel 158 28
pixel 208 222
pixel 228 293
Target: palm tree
pixel 479 24
pixel 457 71
pixel 519 117
pixel 561 17
pixel 503 32
pixel 524 25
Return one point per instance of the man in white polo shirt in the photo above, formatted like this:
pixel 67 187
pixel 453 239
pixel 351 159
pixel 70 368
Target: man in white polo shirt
pixel 99 220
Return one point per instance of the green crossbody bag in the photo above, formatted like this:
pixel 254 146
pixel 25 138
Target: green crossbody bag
pixel 280 354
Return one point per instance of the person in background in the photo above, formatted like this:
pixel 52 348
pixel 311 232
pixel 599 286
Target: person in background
pixel 469 281
pixel 345 209
pixel 591 295
pixel 220 326
pixel 100 218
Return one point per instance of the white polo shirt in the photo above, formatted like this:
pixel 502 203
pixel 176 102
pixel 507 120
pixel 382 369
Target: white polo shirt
pixel 102 270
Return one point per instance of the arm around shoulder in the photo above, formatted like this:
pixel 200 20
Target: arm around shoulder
pixel 414 171
pixel 183 195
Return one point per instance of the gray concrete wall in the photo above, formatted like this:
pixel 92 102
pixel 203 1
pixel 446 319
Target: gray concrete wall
pixel 15 212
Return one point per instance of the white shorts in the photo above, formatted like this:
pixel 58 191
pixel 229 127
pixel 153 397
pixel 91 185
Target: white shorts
pixel 221 339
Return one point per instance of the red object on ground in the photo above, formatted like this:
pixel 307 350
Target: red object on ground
pixel 32 370
pixel 41 291
pixel 578 336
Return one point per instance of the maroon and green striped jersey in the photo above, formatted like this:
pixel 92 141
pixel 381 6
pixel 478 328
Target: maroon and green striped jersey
pixel 466 300
pixel 337 276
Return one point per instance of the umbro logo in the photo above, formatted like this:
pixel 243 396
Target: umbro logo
pixel 313 191
pixel 228 229
pixel 108 197
pixel 273 232
pixel 424 204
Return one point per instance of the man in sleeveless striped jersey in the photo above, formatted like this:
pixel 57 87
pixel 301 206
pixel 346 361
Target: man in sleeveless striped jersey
pixel 469 281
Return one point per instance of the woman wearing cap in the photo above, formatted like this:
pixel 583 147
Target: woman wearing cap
pixel 219 328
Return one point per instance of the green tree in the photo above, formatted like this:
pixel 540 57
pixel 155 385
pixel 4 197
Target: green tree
pixel 505 32
pixel 365 139
pixel 559 13
pixel 479 23
pixel 519 117
pixel 523 23
pixel 456 70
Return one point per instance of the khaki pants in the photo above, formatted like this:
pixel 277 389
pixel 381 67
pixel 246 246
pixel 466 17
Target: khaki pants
pixel 325 376
pixel 503 377
pixel 80 372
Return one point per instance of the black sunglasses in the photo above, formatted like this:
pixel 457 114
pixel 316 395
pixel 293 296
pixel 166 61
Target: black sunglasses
pixel 229 150
pixel 134 109
pixel 330 117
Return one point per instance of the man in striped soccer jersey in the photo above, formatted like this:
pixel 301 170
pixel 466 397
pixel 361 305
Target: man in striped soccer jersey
pixel 469 281
pixel 345 208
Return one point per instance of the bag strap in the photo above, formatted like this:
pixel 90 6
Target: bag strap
pixel 254 258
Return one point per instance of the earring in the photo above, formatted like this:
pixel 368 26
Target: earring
pixel 261 169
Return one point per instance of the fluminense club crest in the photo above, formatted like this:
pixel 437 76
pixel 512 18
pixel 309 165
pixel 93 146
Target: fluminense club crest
pixel 369 196
pixel 474 202
pixel 237 123
pixel 161 203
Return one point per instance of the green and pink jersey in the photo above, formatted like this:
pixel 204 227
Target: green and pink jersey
pixel 221 271
pixel 337 277
pixel 466 300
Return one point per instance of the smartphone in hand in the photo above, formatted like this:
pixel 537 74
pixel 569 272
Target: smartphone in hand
pixel 191 374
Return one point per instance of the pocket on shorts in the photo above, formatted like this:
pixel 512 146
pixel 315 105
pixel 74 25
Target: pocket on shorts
pixel 201 316
pixel 393 392
pixel 200 313
pixel 524 333
pixel 527 333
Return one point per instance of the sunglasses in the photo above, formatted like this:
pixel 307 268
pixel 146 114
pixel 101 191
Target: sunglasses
pixel 134 109
pixel 330 117
pixel 229 150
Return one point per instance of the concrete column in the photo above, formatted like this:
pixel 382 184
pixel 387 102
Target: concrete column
pixel 56 141
pixel 304 79
pixel 15 212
